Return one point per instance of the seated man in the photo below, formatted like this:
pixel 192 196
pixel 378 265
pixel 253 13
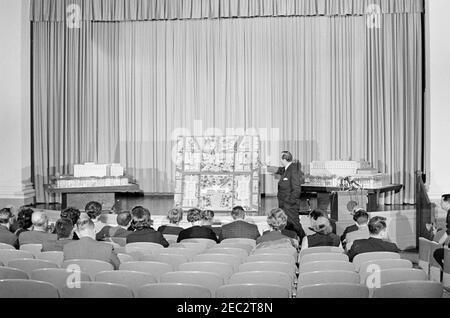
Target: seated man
pixel 195 217
pixel 121 230
pixel 143 231
pixel 64 231
pixel 94 211
pixel 377 241
pixel 88 248
pixel 239 228
pixel 6 236
pixel 361 218
pixel 39 233
pixel 439 253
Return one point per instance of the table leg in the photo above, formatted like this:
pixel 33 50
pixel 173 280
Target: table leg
pixel 372 205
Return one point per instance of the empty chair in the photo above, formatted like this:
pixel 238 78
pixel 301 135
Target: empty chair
pixel 410 289
pixel 368 268
pixel 188 252
pixel 34 249
pixel 395 275
pixel 59 277
pixel 19 288
pixel 223 269
pixel 424 254
pixel 248 248
pixel 9 255
pixel 362 258
pixel 228 250
pixel 271 258
pixel 233 260
pixel 29 265
pixel 121 241
pixel 89 266
pixel 435 267
pixel 446 279
pixel 155 269
pixel 4 246
pixel 143 247
pixel 133 280
pixel 124 258
pixel 269 266
pixel 328 277
pixel 333 290
pixel 198 247
pixel 265 278
pixel 212 281
pixel 97 290
pixel 240 241
pixel 284 250
pixel 174 260
pixel 320 249
pixel 12 273
pixel 326 266
pixel 168 290
pixel 315 257
pixel 54 257
pixel 252 291
pixel 209 243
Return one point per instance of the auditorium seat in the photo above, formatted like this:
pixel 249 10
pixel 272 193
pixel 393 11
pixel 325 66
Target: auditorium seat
pixel 435 267
pixel 55 257
pixel 124 258
pixel 4 246
pixel 289 251
pixel 328 277
pixel 271 258
pixel 174 260
pixel 29 265
pixel 143 247
pixel 315 257
pixel 12 273
pixel 34 249
pixel 362 258
pixel 269 266
pixel 88 266
pixel 326 266
pixel 410 289
pixel 19 288
pixel 198 247
pixel 121 241
pixel 97 290
pixel 223 269
pixel 133 280
pixel 233 260
pixel 240 241
pixel 320 249
pixel 265 278
pixel 209 243
pixel 242 254
pixel 446 279
pixel 156 269
pixel 171 238
pixel 333 290
pixel 424 254
pixel 212 281
pixel 252 291
pixel 367 268
pixel 8 255
pixel 248 248
pixel 188 252
pixel 168 290
pixel 59 276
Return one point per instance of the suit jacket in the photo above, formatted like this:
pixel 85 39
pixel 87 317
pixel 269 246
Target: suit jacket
pixel 170 230
pixel 289 186
pixel 55 245
pixel 109 231
pixel 371 245
pixel 349 229
pixel 147 235
pixel 239 229
pixel 7 237
pixel 271 236
pixel 448 222
pixel 88 248
pixel 197 232
pixel 317 240
pixel 35 237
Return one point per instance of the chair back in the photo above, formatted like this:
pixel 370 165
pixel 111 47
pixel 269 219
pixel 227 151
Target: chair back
pixel 246 247
pixel 264 278
pixel 29 265
pixel 424 254
pixel 231 259
pixel 143 247
pixel 168 290
pixel 12 273
pixel 446 278
pixel 328 277
pixel 185 251
pixel 4 246
pixel 319 249
pixel 124 258
pixel 173 260
pixel 59 277
pixel 333 290
pixel 242 254
pixel 365 257
pixel 272 258
pixel 8 255
pixel 252 291
pixel 34 249
pixel 97 290
pixel 409 289
pixel 394 275
pixel 212 281
pixel 133 280
pixel 209 243
pixel 19 288
pixel 88 266
pixel 326 266
pixel 54 257
pixel 247 241
pixel 121 241
pixel 269 266
pixel 316 257
pixel 156 269
pixel 435 267
pixel 370 267
pixel 198 247
pixel 223 269
pixel 284 250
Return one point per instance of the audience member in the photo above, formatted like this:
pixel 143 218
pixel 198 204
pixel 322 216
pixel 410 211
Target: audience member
pixel 143 231
pixel 323 235
pixel 239 228
pixel 361 218
pixel 6 236
pixel 377 241
pixel 72 214
pixel 173 228
pixel 39 234
pixel 317 213
pixel 208 221
pixel 439 253
pixel 277 221
pixel 195 217
pixel 64 231
pixel 94 211
pixel 88 248
pixel 121 230
pixel 23 222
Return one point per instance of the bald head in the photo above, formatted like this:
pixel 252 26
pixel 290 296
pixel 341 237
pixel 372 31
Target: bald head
pixel 39 220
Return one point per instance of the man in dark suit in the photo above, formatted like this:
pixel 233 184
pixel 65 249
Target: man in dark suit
pixel 121 230
pixel 377 241
pixel 88 248
pixel 6 236
pixel 239 228
pixel 144 232
pixel 64 231
pixel 289 190
pixel 39 234
pixel 439 253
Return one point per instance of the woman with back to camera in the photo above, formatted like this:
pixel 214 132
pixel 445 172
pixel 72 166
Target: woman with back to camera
pixel 323 235
pixel 173 228
pixel 277 221
pixel 195 217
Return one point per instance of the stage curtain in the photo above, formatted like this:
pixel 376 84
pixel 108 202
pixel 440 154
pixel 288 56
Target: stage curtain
pixel 323 87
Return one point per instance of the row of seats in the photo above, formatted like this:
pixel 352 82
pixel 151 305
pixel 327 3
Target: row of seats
pixel 429 264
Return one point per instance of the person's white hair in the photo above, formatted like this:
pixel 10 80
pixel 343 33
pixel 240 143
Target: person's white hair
pixel 39 219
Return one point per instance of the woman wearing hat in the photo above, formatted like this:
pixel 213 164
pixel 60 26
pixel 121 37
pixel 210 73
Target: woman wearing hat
pixel 323 234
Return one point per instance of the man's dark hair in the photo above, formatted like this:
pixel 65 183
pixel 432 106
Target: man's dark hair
pixel 238 212
pixel 286 155
pixel 207 215
pixel 5 215
pixel 377 224
pixel 63 228
pixel 24 218
pixel 360 214
pixel 72 214
pixel 93 209
pixel 141 218
pixel 446 197
pixel 123 218
pixel 194 215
